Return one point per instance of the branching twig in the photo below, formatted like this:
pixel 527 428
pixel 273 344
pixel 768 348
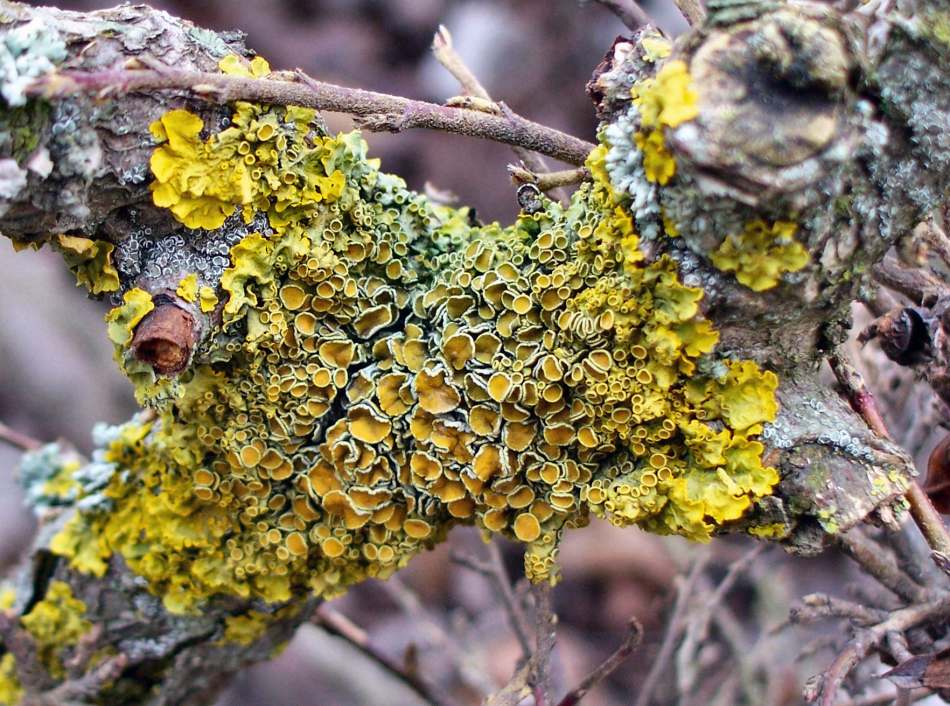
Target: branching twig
pixel 376 111
pixel 338 624
pixel 444 51
pixel 674 629
pixel 921 509
pixel 606 668
pixel 867 639
pixel 876 561
pixel 494 571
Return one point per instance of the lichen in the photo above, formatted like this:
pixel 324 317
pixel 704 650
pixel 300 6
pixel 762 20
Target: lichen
pixel 385 368
pixel 122 320
pixel 666 101
pixel 11 691
pixel 56 623
pixel 90 261
pixel 761 253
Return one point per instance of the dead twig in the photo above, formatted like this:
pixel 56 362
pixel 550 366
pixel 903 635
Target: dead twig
pixel 674 629
pixel 921 509
pixel 549 180
pixel 629 12
pixel 880 564
pixel 496 574
pixel 444 51
pixel 692 10
pixel 827 686
pixel 18 439
pixel 338 624
pixel 608 666
pixel 376 111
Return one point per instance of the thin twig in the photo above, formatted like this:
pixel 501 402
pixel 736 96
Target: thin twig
pixel 875 560
pixel 496 574
pixel 539 665
pixel 549 180
pixel 18 439
pixel 692 10
pixel 697 623
pixel 608 666
pixel 437 634
pixel 629 12
pixel 674 629
pixel 376 111
pixel 338 624
pixel 867 639
pixel 444 51
pixel 819 606
pixel 921 509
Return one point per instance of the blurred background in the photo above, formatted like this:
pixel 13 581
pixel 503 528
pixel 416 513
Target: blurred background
pixel 444 620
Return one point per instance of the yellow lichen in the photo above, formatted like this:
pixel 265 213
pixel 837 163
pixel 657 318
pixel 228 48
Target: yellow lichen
pixel 247 628
pixel 665 101
pixel 761 254
pixel 385 370
pixel 188 288
pixel 122 320
pixel 11 691
pixel 90 261
pixel 56 623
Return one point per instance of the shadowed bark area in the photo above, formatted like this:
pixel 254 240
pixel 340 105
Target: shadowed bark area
pixel 819 140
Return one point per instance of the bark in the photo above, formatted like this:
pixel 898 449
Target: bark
pixel 838 118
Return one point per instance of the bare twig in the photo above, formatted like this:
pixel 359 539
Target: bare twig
pixel 819 606
pixel 549 180
pixel 878 562
pixel 867 639
pixel 629 12
pixel 921 509
pixel 375 111
pixel 692 10
pixel 545 624
pixel 444 51
pixel 674 629
pixel 606 668
pixel 697 622
pixel 338 624
pixel 18 439
pixel 494 571
pixel 79 689
pixel 437 634
pixel 914 283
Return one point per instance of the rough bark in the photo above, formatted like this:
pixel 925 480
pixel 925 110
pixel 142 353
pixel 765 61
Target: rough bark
pixel 838 118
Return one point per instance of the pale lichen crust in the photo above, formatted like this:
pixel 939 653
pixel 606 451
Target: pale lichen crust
pixel 379 368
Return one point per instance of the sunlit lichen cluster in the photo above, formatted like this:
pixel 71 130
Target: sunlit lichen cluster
pixel 380 368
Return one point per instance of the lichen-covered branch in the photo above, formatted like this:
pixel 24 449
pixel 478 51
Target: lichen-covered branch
pixel 340 370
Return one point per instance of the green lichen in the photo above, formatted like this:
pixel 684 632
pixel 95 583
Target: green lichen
pixel 386 368
pixel 21 128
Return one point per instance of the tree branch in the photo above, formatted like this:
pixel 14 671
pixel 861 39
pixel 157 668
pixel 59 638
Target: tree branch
pixel 376 111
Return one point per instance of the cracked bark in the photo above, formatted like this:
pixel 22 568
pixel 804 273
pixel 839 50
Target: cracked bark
pixel 856 143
